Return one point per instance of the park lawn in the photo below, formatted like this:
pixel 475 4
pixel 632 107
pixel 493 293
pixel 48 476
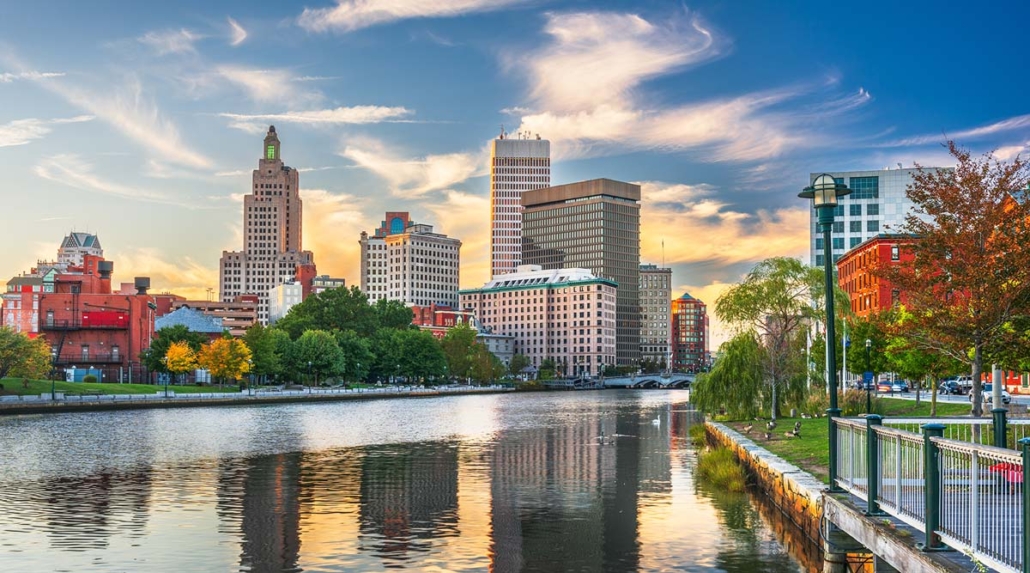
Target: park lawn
pixel 16 386
pixel 810 451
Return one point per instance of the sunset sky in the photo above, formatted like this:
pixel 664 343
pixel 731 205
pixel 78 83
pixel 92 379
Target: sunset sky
pixel 141 122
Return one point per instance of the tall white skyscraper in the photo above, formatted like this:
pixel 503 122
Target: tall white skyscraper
pixel 271 252
pixel 516 165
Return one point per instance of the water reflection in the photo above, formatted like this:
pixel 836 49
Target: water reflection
pixel 527 486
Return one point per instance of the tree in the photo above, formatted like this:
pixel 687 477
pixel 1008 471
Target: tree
pixel 547 369
pixel 872 359
pixel 180 358
pixel 357 355
pixel 225 358
pixel 319 349
pixel 262 343
pixel 485 366
pixel 285 357
pixel 153 358
pixel 23 357
pixel 392 314
pixel 736 383
pixel 517 364
pixel 457 346
pixel 969 276
pixel 333 309
pixel 913 360
pixel 420 355
pixel 774 303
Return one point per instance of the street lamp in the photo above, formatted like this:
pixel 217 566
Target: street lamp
pixel 869 384
pixel 250 376
pixel 53 374
pixel 309 375
pixel 164 362
pixel 824 193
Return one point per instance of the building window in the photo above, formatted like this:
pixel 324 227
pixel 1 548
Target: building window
pixel 895 254
pixel 895 296
pixel 838 227
pixel 819 260
pixel 856 210
pixel 85 352
pixel 872 226
pixel 838 243
pixel 865 187
pixel 873 209
pixel 819 243
pixel 855 241
pixel 114 353
pixel 856 226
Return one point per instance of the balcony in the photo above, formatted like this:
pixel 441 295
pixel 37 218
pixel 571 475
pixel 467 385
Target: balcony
pixel 83 325
pixel 88 360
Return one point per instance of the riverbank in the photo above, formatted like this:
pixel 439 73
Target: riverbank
pixel 43 404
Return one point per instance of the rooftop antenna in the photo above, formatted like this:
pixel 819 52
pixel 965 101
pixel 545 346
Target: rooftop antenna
pixel 899 166
pixel 663 253
pixel 502 131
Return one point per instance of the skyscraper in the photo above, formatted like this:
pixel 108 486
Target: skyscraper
pixel 407 261
pixel 655 317
pixel 272 251
pixel 516 166
pixel 591 225
pixel 689 334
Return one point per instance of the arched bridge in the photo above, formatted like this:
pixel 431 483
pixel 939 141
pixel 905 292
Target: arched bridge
pixel 674 380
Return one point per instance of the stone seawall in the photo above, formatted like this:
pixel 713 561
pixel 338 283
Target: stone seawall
pixel 794 491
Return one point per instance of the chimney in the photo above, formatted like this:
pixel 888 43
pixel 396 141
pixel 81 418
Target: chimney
pixel 104 270
pixel 142 285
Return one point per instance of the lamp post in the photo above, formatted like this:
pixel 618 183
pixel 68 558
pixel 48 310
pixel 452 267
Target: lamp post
pixel 309 375
pixel 824 193
pixel 165 374
pixel 868 385
pixel 250 377
pixel 53 374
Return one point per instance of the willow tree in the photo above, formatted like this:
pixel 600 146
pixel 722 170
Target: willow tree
pixel 774 303
pixel 969 278
pixel 735 384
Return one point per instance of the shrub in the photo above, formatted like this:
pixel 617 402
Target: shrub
pixel 90 379
pixel 719 467
pixel 697 435
pixel 816 404
pixel 853 403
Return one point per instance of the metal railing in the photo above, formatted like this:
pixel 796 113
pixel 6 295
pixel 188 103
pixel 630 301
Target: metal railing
pixel 972 430
pixel 969 496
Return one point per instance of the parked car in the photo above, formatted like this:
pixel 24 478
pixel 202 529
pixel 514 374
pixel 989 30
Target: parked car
pixel 949 387
pixel 988 395
pixel 899 386
pixel 884 387
pixel 965 382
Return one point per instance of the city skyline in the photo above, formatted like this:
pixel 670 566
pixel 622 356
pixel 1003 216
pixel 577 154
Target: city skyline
pixel 138 123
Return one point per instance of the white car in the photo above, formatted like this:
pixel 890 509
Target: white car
pixel 988 394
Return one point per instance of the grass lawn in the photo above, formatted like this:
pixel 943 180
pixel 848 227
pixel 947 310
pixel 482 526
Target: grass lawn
pixel 37 387
pixel 810 451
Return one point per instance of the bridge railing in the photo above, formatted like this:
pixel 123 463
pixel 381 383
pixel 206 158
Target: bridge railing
pixel 969 496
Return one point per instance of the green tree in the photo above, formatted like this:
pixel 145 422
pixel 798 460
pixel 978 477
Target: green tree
pixel 736 384
pixel 23 357
pixel 262 344
pixel 458 345
pixel 873 359
pixel 547 370
pixel 518 362
pixel 319 349
pixel 420 356
pixel 334 309
pixel 153 358
pixel 485 366
pixel 392 314
pixel 774 303
pixel 286 362
pixel 969 275
pixel 358 359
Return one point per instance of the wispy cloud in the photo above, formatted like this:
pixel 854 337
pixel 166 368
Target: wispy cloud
pixel 73 171
pixel 586 84
pixel 342 115
pixel 350 15
pixel 170 41
pixel 8 77
pixel 237 34
pixel 23 131
pixel 1010 124
pixel 414 176
pixel 275 86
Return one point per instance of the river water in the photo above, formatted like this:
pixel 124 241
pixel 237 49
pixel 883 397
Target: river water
pixel 500 483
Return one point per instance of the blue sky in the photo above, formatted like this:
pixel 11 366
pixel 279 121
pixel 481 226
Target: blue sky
pixel 142 121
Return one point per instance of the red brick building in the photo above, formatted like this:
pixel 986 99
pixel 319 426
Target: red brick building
pixel 868 293
pixel 689 334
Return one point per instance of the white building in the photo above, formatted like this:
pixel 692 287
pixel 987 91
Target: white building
pixel 656 314
pixel 75 245
pixel 567 315
pixel 516 165
pixel 877 204
pixel 282 298
pixel 271 232
pixel 407 261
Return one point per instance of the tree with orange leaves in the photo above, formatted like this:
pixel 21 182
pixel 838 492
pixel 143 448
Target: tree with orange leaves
pixel 226 358
pixel 970 275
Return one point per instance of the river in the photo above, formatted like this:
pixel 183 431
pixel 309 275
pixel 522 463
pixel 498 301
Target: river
pixel 500 483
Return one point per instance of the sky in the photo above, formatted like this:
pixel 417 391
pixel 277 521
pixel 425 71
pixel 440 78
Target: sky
pixel 142 122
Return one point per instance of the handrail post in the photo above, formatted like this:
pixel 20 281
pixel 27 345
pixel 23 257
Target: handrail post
pixel 1025 443
pixel 1000 429
pixel 872 464
pixel 932 492
pixel 831 414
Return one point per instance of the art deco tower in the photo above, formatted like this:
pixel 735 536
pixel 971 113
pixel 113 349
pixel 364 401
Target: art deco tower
pixel 516 165
pixel 272 222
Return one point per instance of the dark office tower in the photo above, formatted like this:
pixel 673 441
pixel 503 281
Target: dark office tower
pixel 591 225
